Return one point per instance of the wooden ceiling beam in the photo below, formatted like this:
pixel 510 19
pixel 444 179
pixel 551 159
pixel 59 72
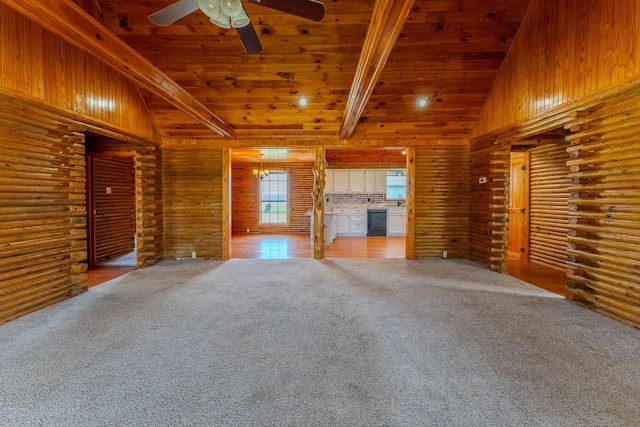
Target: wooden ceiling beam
pixel 387 19
pixel 67 20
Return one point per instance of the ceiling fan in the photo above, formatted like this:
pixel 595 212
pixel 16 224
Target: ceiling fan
pixel 231 13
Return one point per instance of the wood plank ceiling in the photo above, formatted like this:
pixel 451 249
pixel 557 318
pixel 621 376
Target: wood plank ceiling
pixel 447 50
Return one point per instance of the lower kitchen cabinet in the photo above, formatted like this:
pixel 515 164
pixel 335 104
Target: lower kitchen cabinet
pixel 343 221
pixel 358 226
pixel 396 222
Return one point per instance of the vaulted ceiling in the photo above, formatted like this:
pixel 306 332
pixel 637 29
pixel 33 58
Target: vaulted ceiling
pixel 447 50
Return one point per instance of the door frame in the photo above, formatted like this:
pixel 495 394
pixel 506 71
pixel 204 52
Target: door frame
pixel 525 158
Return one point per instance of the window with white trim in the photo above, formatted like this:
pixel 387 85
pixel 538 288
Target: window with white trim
pixel 274 195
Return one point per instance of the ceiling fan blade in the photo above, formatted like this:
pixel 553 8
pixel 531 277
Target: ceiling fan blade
pixel 310 9
pixel 172 13
pixel 249 39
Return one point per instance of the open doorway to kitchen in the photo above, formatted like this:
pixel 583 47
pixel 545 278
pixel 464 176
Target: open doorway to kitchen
pixel 252 238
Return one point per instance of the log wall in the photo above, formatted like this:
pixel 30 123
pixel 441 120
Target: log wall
pixel 441 202
pixel 41 67
pixel 43 245
pixel 564 50
pixel 549 207
pixel 488 204
pixel 113 190
pixel 604 208
pixel 192 179
pixel 245 198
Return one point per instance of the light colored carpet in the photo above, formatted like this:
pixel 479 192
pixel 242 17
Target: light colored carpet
pixel 348 342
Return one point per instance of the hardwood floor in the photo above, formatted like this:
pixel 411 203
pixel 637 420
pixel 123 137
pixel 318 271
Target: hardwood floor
pixel 543 277
pixel 297 246
pixel 100 275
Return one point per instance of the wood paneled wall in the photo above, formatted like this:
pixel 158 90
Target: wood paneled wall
pixel 42 67
pixel 549 207
pixel 604 208
pixel 488 201
pixel 564 50
pixel 245 198
pixel 113 191
pixel 42 213
pixel 192 192
pixel 441 202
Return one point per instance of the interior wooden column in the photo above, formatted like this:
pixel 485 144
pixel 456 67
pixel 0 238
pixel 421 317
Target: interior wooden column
pixel 319 169
pixel 226 203
pixel 411 200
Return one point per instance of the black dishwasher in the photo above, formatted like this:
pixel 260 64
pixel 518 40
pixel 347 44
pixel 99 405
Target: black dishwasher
pixel 376 222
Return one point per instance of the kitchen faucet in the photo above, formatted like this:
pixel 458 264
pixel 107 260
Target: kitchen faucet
pixel 399 199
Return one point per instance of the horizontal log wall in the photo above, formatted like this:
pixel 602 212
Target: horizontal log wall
pixel 43 245
pixel 43 68
pixel 549 207
pixel 564 50
pixel 114 206
pixel 192 194
pixel 441 204
pixel 488 204
pixel 604 208
pixel 245 198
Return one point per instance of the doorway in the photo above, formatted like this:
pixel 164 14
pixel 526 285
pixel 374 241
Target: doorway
pixel 518 236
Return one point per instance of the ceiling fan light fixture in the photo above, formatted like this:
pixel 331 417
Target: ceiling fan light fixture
pixel 211 8
pixel 242 20
pixel 221 21
pixel 231 8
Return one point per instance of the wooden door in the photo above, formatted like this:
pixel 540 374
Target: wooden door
pixel 518 238
pixel 111 213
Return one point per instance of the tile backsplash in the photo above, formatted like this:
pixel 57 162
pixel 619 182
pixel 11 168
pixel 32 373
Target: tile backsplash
pixel 350 199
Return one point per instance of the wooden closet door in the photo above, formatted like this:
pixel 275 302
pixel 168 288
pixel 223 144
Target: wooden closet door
pixel 113 207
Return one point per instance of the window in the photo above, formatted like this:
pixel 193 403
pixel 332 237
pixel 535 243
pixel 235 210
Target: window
pixel 396 186
pixel 274 190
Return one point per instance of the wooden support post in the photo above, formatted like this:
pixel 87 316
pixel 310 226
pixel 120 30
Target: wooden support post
pixel 319 169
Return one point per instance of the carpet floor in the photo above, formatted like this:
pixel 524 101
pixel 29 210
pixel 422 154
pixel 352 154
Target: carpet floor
pixel 345 342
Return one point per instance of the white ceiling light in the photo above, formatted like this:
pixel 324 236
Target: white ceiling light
pixel 225 13
pixel 303 101
pixel 422 101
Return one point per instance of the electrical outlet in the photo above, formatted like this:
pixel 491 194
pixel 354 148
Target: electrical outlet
pixel 193 254
pixel 248 231
pixel 444 254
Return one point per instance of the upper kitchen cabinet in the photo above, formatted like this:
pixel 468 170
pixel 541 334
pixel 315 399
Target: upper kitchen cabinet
pixel 355 181
pixel 375 180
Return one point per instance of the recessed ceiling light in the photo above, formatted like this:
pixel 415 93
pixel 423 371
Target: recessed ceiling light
pixel 422 101
pixel 303 101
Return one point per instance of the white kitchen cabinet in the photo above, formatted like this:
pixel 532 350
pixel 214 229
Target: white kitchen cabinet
pixel 357 181
pixel 328 181
pixel 343 222
pixel 358 224
pixel 340 180
pixel 375 180
pixel 396 221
